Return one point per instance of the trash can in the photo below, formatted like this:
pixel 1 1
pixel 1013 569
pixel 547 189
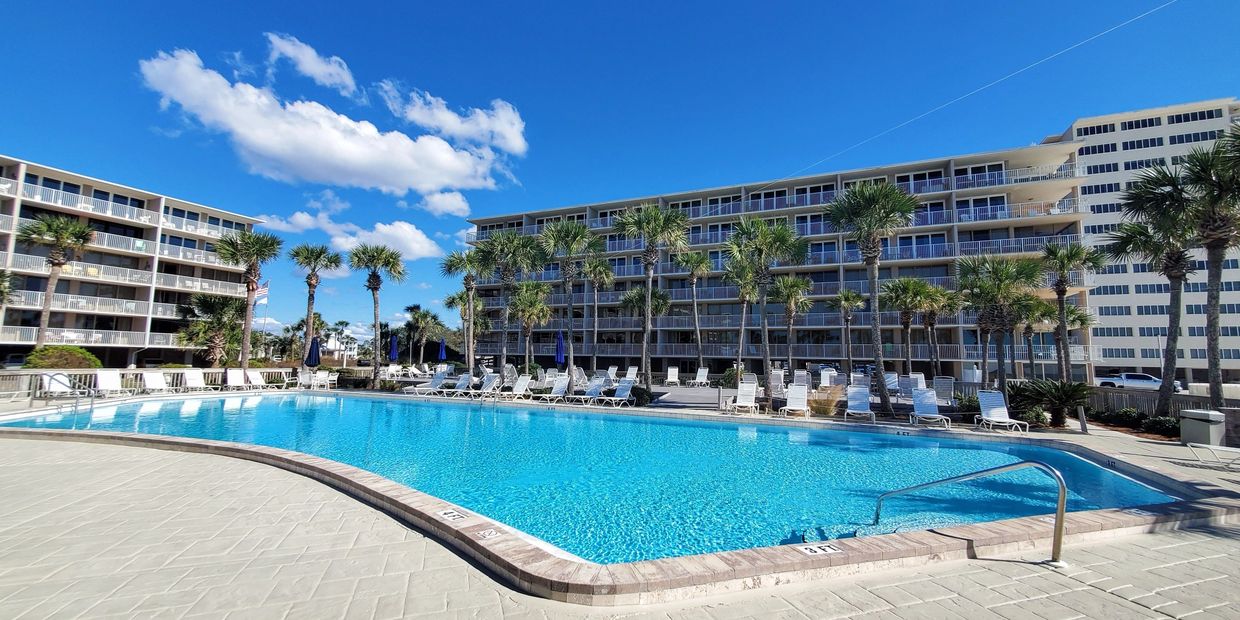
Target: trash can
pixel 1202 426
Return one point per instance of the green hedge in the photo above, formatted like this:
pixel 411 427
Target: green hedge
pixel 62 356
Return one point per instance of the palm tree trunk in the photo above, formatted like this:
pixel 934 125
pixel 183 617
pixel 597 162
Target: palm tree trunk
pixel 1029 351
pixel 374 358
pixel 594 336
pixel 1215 253
pixel 876 336
pixel 846 340
pixel 985 357
pixel 305 350
pixel 251 288
pixel 1061 302
pixel 568 290
pixel 45 316
pixel 422 349
pixel 766 333
pixel 790 318
pixel 649 322
pixel 529 350
pixel 1175 305
pixel 503 343
pixel 936 358
pixel 469 330
pixel 1001 358
pixel 740 343
pixel 697 327
pixel 908 348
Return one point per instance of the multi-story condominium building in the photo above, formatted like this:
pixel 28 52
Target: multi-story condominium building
pixel 1010 202
pixel 1130 299
pixel 119 298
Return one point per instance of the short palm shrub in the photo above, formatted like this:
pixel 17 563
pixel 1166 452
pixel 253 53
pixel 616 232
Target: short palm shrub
pixel 62 357
pixel 967 404
pixel 1161 425
pixel 729 379
pixel 1058 397
pixel 1035 416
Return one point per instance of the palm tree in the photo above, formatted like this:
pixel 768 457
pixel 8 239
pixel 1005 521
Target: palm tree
pixel 739 270
pixel 377 261
pixel 313 258
pixel 767 246
pixel 635 301
pixel 425 324
pixel 869 213
pixel 214 324
pixel 847 302
pixel 990 284
pixel 906 296
pixel 470 265
pixel 793 293
pixel 572 243
pixel 1059 261
pixel 1161 232
pixel 599 273
pixel 937 302
pixel 529 305
pixel 480 325
pixel 698 266
pixel 1033 313
pixel 249 250
pixel 508 255
pixel 63 237
pixel 1214 177
pixel 658 228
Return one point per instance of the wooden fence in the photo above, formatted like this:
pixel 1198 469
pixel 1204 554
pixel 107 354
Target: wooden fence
pixel 1114 399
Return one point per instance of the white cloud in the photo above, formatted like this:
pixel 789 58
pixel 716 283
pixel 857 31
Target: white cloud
pixel 501 126
pixel 330 72
pixel 267 324
pixel 459 236
pixel 307 141
pixel 240 67
pixel 445 203
pixel 402 236
pixel 425 285
pixel 335 274
pixel 328 201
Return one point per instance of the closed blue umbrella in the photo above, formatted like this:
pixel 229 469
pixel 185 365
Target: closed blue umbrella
pixel 392 353
pixel 443 350
pixel 313 357
pixel 559 347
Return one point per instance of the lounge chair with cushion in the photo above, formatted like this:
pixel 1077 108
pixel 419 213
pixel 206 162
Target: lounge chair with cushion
pixel 700 380
pixel 798 399
pixel 995 413
pixel 673 376
pixel 859 403
pixel 926 409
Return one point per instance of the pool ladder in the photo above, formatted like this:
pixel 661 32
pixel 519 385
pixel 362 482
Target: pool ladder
pixel 1061 505
pixel 77 387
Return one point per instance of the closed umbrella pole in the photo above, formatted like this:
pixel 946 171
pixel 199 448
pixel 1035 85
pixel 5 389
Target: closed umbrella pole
pixel 393 354
pixel 313 357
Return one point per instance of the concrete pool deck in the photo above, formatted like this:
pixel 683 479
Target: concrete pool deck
pixel 90 530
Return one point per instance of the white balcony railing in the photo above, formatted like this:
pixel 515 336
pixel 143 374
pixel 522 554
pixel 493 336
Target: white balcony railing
pixel 189 254
pixel 8 187
pixel 162 340
pixel 87 204
pixel 90 271
pixel 86 337
pixel 187 283
pixel 165 311
pixel 113 242
pixel 194 227
pixel 80 303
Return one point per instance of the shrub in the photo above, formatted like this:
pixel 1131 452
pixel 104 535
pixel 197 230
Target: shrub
pixel 1035 416
pixel 1162 425
pixel 263 362
pixel 1059 397
pixel 641 396
pixel 1021 397
pixel 171 365
pixel 825 400
pixel 967 404
pixel 61 356
pixel 532 369
pixel 1127 417
pixel 729 379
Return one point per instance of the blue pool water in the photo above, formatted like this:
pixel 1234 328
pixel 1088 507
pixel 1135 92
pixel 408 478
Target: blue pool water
pixel 616 488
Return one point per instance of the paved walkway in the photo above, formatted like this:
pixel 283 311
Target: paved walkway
pixel 96 531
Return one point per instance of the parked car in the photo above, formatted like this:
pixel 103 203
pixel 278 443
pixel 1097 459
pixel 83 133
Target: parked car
pixel 1132 381
pixel 14 361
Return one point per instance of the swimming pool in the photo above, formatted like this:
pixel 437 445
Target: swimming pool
pixel 615 488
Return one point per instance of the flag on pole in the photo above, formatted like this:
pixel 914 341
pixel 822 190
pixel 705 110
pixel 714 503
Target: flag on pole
pixel 260 295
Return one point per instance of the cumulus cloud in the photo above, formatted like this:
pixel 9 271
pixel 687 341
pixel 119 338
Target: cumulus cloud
pixel 500 126
pixel 424 285
pixel 267 324
pixel 307 141
pixel 331 72
pixel 445 203
pixel 459 236
pixel 404 237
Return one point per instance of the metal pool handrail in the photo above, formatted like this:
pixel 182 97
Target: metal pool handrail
pixel 77 386
pixel 1061 505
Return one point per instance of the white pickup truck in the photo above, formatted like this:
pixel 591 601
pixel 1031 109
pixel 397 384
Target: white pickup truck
pixel 1132 381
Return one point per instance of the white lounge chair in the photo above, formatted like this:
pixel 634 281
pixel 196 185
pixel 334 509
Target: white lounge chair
pixel 611 372
pixel 464 385
pixel 749 377
pixel 919 380
pixel 57 385
pixel 195 381
pixel 622 397
pixel 257 381
pixel 1229 457
pixel 995 413
pixel 558 388
pixel 631 373
pixel 800 377
pixel 321 379
pixel 746 398
pixel 235 379
pixel 775 385
pixel 945 390
pixel 859 403
pixel 593 390
pixel 520 389
pixel 155 382
pixel 826 376
pixel 436 383
pixel 673 376
pixel 490 385
pixel 926 409
pixel 798 399
pixel 892 381
pixel 108 383
pixel 700 380
pixel 905 387
pixel 859 379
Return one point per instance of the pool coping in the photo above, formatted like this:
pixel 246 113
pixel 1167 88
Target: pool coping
pixel 525 563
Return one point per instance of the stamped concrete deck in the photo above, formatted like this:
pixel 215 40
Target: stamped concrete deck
pixel 92 530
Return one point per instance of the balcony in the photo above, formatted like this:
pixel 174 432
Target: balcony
pixel 1016 176
pixel 80 303
pixel 81 337
pixel 165 311
pixel 1023 245
pixel 86 271
pixel 907 252
pixel 821 352
pixel 202 257
pixel 709 238
pixel 187 283
pixel 8 187
pixel 482 235
pixel 86 204
pixel 113 242
pixel 165 341
pixel 194 227
pixel 926 186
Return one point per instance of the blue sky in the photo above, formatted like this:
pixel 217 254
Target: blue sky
pixel 367 122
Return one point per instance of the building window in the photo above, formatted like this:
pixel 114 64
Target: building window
pixel 1137 164
pixel 1146 143
pixel 1114 310
pixel 1102 168
pixel 1150 289
pixel 1199 115
pixel 1093 130
pixel 1106 207
pixel 1224 330
pixel 1100 188
pixel 1152 332
pixel 1196 136
pixel 1097 229
pixel 1096 149
pixel 1112 332
pixel 1222 308
pixel 1114 268
pixel 1200 287
pixel 1141 123
pixel 1110 289
pixel 1153 310
pixel 1118 353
